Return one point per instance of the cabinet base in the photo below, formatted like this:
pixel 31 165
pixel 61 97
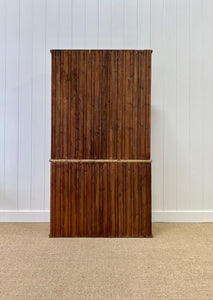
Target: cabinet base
pixel 100 199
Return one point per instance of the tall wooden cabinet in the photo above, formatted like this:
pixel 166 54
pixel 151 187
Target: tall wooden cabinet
pixel 100 149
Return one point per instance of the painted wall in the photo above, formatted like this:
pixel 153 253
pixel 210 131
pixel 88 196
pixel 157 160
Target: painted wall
pixel 180 34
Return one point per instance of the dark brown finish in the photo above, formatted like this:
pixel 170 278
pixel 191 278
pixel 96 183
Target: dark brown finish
pixel 100 148
pixel 106 199
pixel 101 104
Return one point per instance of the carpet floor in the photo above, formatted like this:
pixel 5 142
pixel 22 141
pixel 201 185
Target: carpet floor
pixel 176 264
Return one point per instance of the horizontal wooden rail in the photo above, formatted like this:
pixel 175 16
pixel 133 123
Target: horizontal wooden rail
pixel 101 160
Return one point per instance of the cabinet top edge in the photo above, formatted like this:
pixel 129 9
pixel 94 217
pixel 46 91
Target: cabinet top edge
pixel 90 50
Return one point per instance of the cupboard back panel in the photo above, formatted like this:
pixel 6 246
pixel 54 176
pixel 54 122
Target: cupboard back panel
pixel 101 104
pixel 110 199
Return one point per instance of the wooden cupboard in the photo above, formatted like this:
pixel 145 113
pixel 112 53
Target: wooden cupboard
pixel 100 143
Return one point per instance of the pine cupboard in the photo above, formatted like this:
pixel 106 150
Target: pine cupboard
pixel 100 143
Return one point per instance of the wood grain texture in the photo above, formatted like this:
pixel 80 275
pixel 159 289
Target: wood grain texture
pixel 101 104
pixel 100 156
pixel 100 199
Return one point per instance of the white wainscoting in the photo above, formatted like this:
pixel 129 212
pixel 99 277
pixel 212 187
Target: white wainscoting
pixel 180 34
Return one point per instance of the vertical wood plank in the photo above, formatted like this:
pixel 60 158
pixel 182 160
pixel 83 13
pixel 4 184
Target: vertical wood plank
pixel 66 200
pixel 105 200
pixel 113 198
pixel 57 105
pixel 131 100
pixel 89 199
pixel 100 105
pixel 109 198
pixel 148 105
pixel 64 100
pixel 77 106
pixel 74 200
pixel 96 199
pixel 114 106
pixel 89 105
pixel 80 198
pixel 148 205
pixel 120 200
pixel 62 200
pixel 92 209
pixel 92 102
pixel 135 100
pixel 136 202
pixel 127 104
pixel 57 229
pixel 120 106
pixel 73 107
pixel 81 101
pixel 141 193
pixel 52 202
pixel 141 118
pixel 124 188
pixel 109 104
pixel 104 87
pixel 132 200
pixel 128 200
pixel 143 199
pixel 123 137
pixel 101 210
pixel 84 91
pixel 96 97
pixel 53 106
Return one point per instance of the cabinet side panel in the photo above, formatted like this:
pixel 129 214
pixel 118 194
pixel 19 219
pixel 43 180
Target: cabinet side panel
pixel 148 105
pixel 53 94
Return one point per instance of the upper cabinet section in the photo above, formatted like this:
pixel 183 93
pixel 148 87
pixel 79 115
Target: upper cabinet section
pixel 101 104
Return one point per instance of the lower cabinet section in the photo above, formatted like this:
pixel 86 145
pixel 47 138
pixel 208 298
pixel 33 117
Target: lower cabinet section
pixel 96 199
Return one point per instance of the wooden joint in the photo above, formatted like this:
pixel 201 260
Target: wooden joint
pixel 101 160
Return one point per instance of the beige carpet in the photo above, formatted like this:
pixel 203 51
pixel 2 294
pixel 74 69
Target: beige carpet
pixel 176 264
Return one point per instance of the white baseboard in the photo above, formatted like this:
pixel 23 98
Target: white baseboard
pixel 24 215
pixel 157 216
pixel 182 216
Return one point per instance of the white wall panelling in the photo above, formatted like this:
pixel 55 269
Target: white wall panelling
pixel 178 31
pixel 11 98
pixel 157 38
pixel 2 98
pixel 25 105
pixel 183 101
